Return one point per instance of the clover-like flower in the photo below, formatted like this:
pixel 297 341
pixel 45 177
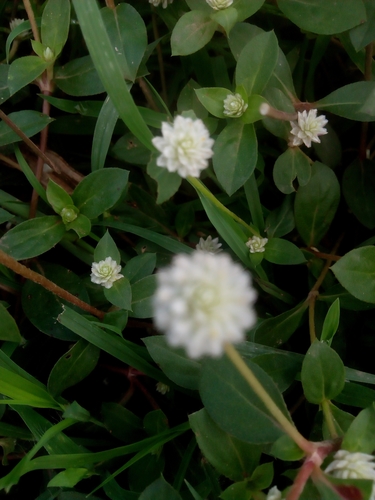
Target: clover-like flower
pixel 105 272
pixel 308 128
pixel 234 106
pixel 274 494
pixel 347 465
pixel 202 302
pixel 185 147
pixel 163 3
pixel 219 4
pixel 15 22
pixel 256 244
pixel 162 388
pixel 209 245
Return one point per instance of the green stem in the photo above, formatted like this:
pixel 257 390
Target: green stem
pixel 200 187
pixel 329 418
pixel 253 200
pixel 263 395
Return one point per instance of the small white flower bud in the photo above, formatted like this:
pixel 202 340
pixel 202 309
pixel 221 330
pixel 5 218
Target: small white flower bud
pixel 307 128
pixel 163 3
pixel 256 244
pixel 209 245
pixel 105 272
pixel 274 494
pixel 162 388
pixel 264 109
pixel 48 54
pixel 234 105
pixel 219 4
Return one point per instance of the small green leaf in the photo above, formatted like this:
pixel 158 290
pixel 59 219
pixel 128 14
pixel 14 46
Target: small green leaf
pixel 33 237
pixel 81 225
pixel 57 196
pixel 106 247
pixel 226 18
pixel 121 422
pixel 341 421
pixel 9 330
pixel 159 490
pixel 73 367
pixel 104 128
pixel 212 99
pixel 192 32
pixel 79 78
pixel 256 62
pixel 363 34
pixel 55 25
pixel 30 122
pixel 279 251
pixel 331 322
pixel 354 101
pixel 139 267
pixel 280 221
pixel 68 478
pixel 360 437
pixel 23 71
pixel 323 373
pixel 168 182
pixel 237 491
pixel 290 165
pixel 356 272
pixel 142 294
pixel 120 294
pixel 252 113
pixel 286 449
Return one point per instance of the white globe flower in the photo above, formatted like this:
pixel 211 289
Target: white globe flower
pixel 185 147
pixel 219 4
pixel 15 22
pixel 256 244
pixel 105 272
pixel 307 128
pixel 202 302
pixel 234 106
pixel 274 494
pixel 209 245
pixel 163 3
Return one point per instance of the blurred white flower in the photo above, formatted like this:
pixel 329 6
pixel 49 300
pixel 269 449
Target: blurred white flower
pixel 209 245
pixel 163 3
pixel 234 105
pixel 162 388
pixel 347 465
pixel 185 147
pixel 256 244
pixel 274 494
pixel 202 302
pixel 15 22
pixel 307 128
pixel 105 272
pixel 48 55
pixel 219 4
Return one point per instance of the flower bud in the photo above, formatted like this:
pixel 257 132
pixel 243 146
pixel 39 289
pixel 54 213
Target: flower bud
pixel 234 106
pixel 48 55
pixel 256 244
pixel 69 214
pixel 219 4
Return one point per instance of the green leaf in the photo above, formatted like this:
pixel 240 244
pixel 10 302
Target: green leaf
pixel 356 395
pixel 109 70
pixel 130 150
pixel 142 294
pixel 140 266
pixel 30 122
pixel 84 108
pixel 121 422
pixel 256 62
pixel 9 330
pixel 331 322
pixel 33 237
pixel 323 373
pixel 68 478
pixel 232 404
pixel 120 294
pixel 55 25
pixel 99 191
pixel 316 204
pixel 235 155
pixel 159 490
pixel 356 272
pixel 246 9
pixel 226 18
pixel 341 421
pixel 81 225
pixel 241 34
pixel 212 99
pixel 360 437
pixel 168 182
pixel 276 331
pixel 237 491
pixel 57 197
pixel 192 32
pixel 104 128
pixel 282 76
pixel 23 71
pixel 127 33
pixel 286 449
pixel 29 174
pixel 279 251
pixel 73 367
pixel 281 369
pixel 280 221
pixel 21 29
pixel 354 101
pixel 290 165
pixel 79 78
pixel 262 477
pixel 358 186
pixel 106 247
pixel 230 456
pixel 363 34
pixel 252 113
pixel 322 17
pixel 182 370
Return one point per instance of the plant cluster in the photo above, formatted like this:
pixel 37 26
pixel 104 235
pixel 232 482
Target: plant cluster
pixel 187 261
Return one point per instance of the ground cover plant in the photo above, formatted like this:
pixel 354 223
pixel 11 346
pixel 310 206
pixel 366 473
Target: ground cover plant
pixel 187 261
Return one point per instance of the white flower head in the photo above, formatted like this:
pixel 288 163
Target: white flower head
pixel 256 244
pixel 274 494
pixel 105 272
pixel 209 245
pixel 163 3
pixel 15 22
pixel 162 388
pixel 308 128
pixel 185 147
pixel 219 4
pixel 347 465
pixel 234 105
pixel 202 302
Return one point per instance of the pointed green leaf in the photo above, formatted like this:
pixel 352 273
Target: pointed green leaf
pixel 23 71
pixel 55 25
pixel 192 32
pixel 290 165
pixel 120 294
